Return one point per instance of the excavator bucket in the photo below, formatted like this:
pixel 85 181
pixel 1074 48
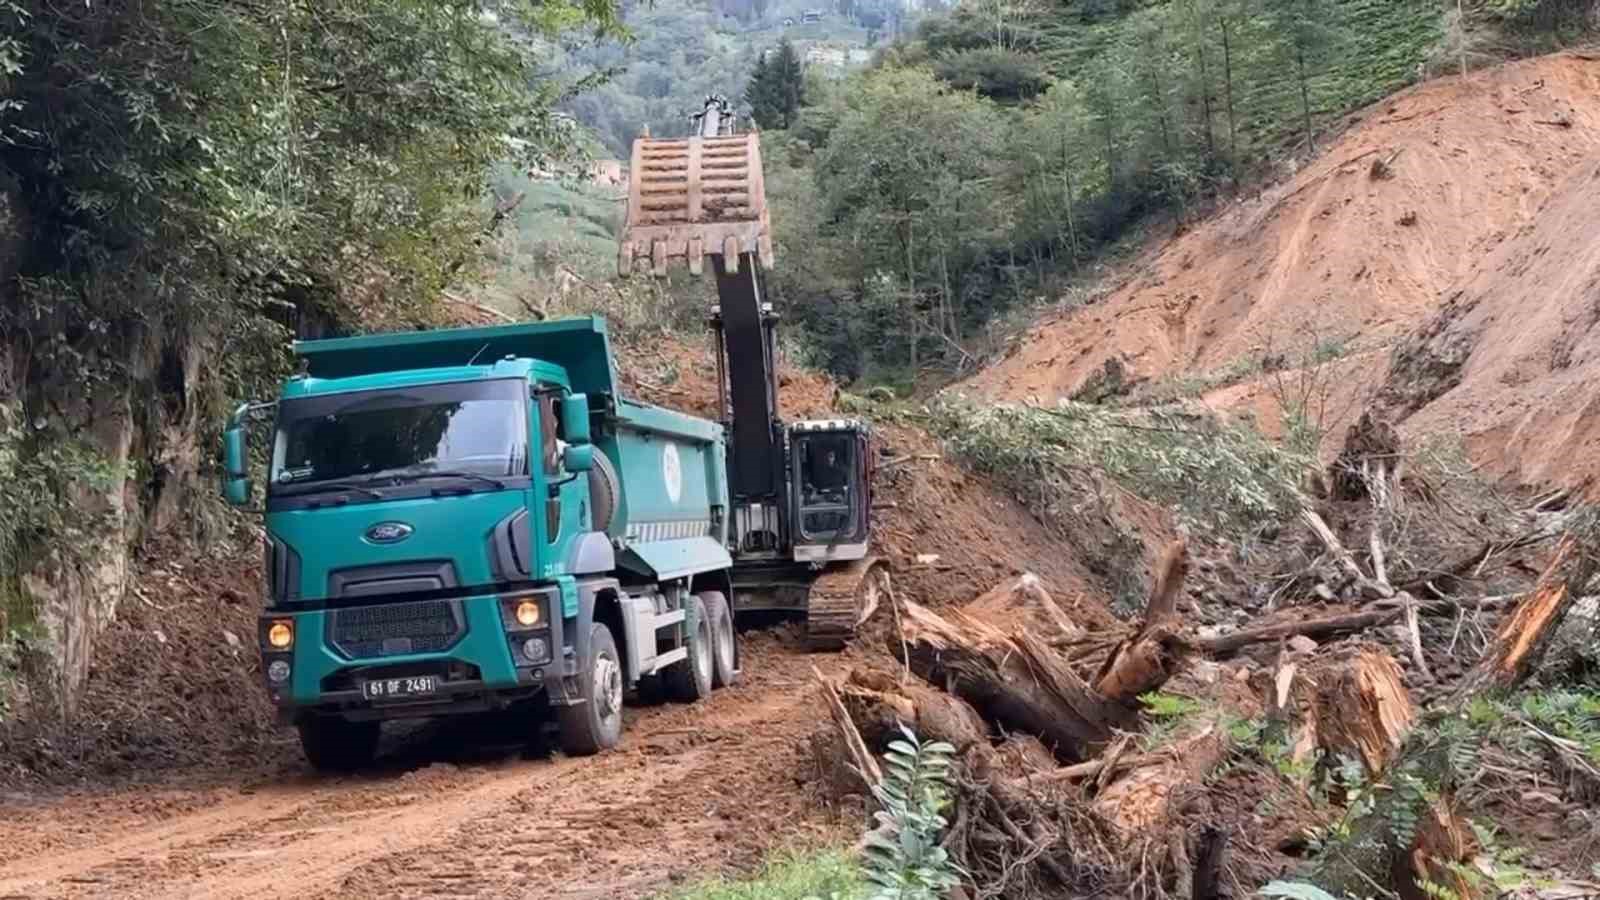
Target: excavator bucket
pixel 689 198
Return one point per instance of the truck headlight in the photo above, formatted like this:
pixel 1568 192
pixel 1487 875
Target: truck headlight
pixel 278 671
pixel 528 613
pixel 280 634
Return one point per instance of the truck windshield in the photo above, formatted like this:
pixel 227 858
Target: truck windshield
pixel 471 429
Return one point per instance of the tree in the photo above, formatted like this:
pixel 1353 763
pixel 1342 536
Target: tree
pixel 777 87
pixel 1307 32
pixel 905 179
pixel 194 176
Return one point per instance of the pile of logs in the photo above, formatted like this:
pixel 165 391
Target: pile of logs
pixel 1058 798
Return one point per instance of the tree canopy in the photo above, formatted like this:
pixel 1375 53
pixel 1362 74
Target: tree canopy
pixel 777 87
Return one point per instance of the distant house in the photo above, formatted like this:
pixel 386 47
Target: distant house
pixel 835 59
pixel 811 15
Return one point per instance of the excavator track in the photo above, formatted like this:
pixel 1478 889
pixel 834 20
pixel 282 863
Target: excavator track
pixel 841 600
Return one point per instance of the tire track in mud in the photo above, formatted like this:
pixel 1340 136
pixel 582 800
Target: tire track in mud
pixel 693 789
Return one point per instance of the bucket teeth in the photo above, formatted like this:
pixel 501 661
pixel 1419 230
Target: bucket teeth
pixel 693 197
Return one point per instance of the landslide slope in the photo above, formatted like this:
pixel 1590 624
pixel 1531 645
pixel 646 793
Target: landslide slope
pixel 1461 257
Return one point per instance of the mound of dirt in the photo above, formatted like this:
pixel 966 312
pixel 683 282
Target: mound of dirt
pixel 173 686
pixel 1455 183
pixel 1512 361
pixel 948 535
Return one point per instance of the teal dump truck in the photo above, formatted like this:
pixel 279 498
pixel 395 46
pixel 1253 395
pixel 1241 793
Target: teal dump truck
pixel 475 519
pixel 471 519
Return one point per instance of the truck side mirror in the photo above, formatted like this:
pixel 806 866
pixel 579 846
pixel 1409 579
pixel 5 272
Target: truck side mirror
pixel 579 457
pixel 236 475
pixel 575 419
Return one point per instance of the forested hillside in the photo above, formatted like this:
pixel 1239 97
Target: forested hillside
pixel 986 161
pixel 183 185
pixel 684 50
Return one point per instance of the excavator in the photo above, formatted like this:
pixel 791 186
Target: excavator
pixel 801 492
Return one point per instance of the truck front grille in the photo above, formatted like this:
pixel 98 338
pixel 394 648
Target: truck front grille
pixel 395 629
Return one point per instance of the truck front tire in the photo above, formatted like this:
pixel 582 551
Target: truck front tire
pixel 596 723
pixel 723 672
pixel 334 745
pixel 689 680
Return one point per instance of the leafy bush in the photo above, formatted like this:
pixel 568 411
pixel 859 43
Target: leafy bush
pixel 1222 477
pixel 903 857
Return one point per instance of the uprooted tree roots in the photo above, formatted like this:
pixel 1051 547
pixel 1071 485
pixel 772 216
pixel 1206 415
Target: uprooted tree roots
pixel 1071 781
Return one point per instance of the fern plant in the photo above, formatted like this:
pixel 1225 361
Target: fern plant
pixel 903 859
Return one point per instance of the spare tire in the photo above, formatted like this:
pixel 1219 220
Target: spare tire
pixel 604 489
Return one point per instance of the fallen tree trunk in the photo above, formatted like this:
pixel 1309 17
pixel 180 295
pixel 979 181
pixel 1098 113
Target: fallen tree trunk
pixel 1018 684
pixel 1367 617
pixel 1520 641
pixel 1442 839
pixel 1023 602
pixel 877 704
pixel 1146 660
pixel 1363 709
pixel 1143 799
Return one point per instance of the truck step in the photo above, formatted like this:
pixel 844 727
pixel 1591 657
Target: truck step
pixel 668 658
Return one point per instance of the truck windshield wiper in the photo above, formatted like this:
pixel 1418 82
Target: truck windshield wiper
pixel 323 487
pixel 496 483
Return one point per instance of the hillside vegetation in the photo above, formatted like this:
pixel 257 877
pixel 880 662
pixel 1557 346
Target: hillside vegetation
pixel 183 187
pixel 994 157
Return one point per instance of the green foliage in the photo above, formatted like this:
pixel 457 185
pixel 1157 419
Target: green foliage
pixel 37 464
pixel 826 875
pixel 903 859
pixel 189 180
pixel 999 74
pixel 1222 477
pixel 1105 114
pixel 1169 706
pixel 777 88
pixel 903 183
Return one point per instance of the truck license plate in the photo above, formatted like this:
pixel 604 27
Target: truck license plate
pixel 397 688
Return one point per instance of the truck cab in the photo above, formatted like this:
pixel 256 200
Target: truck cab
pixel 473 519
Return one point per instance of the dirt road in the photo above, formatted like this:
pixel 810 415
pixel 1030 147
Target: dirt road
pixel 694 790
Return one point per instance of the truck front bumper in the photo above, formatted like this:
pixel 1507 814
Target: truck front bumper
pixel 482 665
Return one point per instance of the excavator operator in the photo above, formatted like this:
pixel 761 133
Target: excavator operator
pixel 826 477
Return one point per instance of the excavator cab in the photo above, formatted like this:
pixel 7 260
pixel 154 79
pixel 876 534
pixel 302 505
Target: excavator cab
pixel 801 495
pixel 832 481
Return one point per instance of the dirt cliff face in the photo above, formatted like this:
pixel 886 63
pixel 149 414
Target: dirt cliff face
pixel 1518 352
pixel 1458 193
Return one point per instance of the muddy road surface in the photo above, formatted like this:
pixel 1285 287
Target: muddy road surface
pixel 693 791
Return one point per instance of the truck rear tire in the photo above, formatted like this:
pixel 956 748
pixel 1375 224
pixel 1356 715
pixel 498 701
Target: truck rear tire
pixel 689 680
pixel 723 672
pixel 334 745
pixel 596 723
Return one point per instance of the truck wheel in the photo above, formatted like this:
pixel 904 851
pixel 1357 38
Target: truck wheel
pixel 596 723
pixel 603 491
pixel 334 745
pixel 689 680
pixel 722 670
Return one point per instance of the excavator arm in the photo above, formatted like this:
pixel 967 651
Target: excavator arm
pixel 703 196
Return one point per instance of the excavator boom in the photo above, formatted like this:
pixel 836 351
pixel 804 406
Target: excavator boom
pixel 796 547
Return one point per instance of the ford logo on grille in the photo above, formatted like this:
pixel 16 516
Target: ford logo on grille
pixel 388 532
